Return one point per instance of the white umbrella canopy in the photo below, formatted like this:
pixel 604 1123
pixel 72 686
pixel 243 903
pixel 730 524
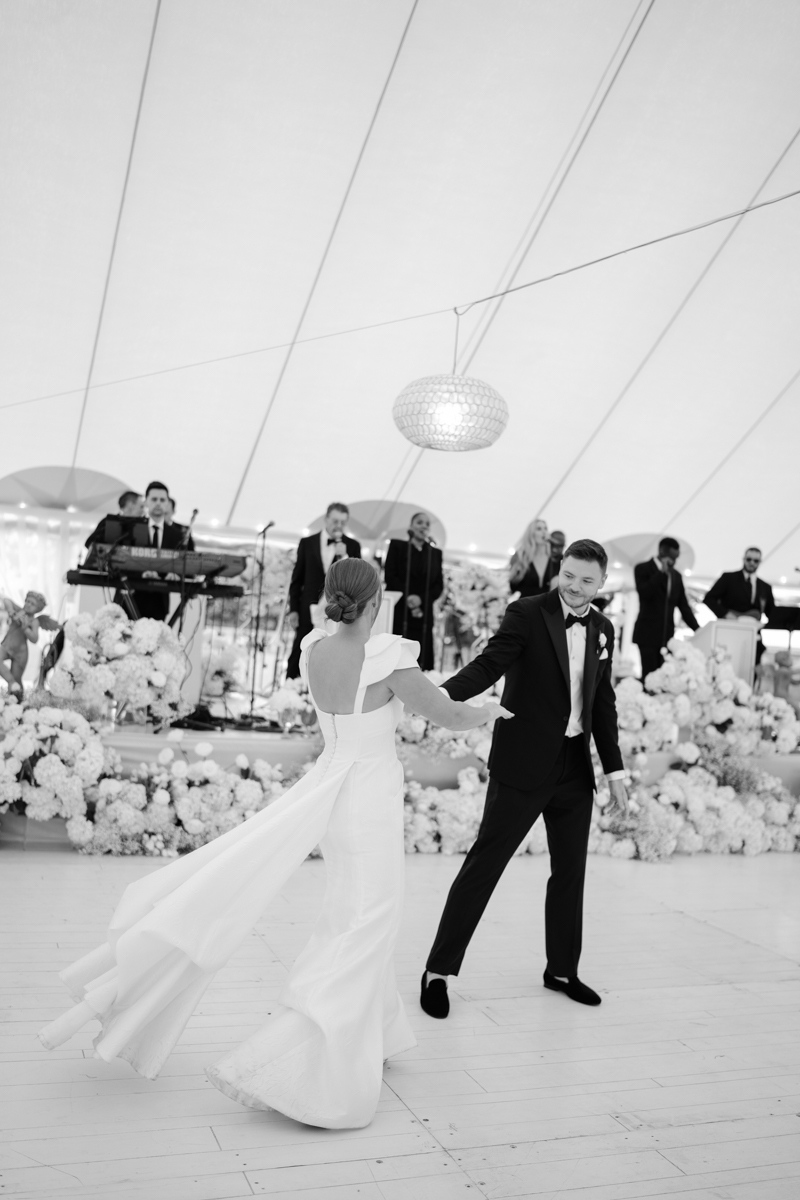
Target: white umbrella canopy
pixel 63 488
pixel 147 320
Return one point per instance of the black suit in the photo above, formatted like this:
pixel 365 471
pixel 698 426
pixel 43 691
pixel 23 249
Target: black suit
pixel 424 578
pixel 535 769
pixel 306 587
pixel 733 593
pixel 156 604
pixel 659 595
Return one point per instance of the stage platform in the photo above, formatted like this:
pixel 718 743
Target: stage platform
pixel 685 1082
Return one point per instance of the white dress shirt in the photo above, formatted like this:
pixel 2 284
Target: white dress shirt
pixel 327 551
pixel 576 653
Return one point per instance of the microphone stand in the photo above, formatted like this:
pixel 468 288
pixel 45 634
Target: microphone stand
pixel 409 548
pixel 183 545
pixel 425 602
pixel 263 535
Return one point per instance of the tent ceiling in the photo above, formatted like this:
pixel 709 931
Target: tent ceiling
pixel 252 119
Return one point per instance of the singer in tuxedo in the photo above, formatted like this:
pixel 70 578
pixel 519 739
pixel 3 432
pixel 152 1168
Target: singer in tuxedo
pixel 161 536
pixel 314 557
pixel 415 569
pixel 555 652
pixel 742 594
pixel 661 591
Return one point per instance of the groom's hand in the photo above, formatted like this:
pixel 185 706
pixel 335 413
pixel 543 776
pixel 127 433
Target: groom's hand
pixel 619 804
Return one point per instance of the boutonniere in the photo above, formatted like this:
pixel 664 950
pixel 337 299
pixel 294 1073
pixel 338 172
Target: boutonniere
pixel 601 646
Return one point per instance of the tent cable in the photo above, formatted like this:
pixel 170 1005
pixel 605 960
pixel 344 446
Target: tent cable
pixel 115 238
pixel 321 266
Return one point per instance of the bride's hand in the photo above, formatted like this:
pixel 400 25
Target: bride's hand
pixel 494 710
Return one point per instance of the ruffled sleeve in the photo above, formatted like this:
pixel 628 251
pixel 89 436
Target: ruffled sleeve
pixel 308 641
pixel 387 652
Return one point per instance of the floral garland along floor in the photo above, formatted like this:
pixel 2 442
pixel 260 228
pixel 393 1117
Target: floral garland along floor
pixel 717 798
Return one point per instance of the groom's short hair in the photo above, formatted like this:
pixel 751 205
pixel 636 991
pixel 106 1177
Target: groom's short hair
pixel 589 551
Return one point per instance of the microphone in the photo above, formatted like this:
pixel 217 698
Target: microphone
pixel 268 525
pixel 188 530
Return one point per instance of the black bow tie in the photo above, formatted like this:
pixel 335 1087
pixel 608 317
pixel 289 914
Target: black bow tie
pixel 334 541
pixel 572 619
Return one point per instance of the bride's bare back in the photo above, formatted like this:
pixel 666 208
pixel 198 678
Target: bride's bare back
pixel 334 672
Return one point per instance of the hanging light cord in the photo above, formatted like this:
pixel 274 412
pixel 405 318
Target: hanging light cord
pixel 436 312
pixel 320 268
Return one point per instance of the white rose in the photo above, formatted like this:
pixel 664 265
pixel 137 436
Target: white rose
pixel 180 769
pixel 161 796
pixel 203 749
pixel 175 735
pixel 242 762
pixel 166 756
pixel 194 826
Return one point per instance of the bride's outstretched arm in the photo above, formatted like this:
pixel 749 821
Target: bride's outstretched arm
pixel 420 696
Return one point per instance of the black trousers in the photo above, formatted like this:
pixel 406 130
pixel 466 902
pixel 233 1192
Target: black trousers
pixel 293 665
pixel 652 659
pixel 564 800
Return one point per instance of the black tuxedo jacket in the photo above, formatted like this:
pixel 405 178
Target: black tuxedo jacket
pixel 655 624
pixel 732 593
pixel 308 577
pixel 530 649
pixel 154 604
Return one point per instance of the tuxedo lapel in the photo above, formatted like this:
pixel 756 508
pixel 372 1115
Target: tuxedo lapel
pixel 590 664
pixel 554 620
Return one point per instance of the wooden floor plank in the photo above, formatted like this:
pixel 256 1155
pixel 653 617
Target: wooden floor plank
pixel 684 1082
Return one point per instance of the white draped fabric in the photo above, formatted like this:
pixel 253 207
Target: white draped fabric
pixel 319 1057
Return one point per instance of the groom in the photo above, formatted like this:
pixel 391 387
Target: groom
pixel 555 652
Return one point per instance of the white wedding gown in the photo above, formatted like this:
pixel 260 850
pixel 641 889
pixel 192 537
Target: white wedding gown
pixel 319 1058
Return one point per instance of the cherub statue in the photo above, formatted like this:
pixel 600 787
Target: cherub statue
pixel 23 627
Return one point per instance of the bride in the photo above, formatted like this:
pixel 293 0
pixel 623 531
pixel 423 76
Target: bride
pixel 319 1057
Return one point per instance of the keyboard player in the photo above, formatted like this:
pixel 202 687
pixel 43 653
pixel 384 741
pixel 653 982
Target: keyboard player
pixel 162 536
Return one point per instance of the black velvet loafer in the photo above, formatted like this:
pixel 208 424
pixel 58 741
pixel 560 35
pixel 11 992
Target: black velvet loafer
pixel 572 988
pixel 433 997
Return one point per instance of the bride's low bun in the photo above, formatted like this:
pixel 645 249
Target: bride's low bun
pixel 349 586
pixel 341 607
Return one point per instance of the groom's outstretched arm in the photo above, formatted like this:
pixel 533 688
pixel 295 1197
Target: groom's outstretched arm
pixel 506 645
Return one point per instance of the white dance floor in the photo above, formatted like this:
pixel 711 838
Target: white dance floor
pixel 685 1082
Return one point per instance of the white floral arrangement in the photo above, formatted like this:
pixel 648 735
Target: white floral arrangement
pixel 291 706
pixel 50 759
pixel 225 672
pixel 687 812
pixel 704 696
pixel 141 663
pixel 476 595
pixel 177 804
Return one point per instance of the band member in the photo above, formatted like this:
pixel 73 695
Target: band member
pixel 131 504
pixel 161 536
pixel 415 569
pixel 661 591
pixel 742 594
pixel 533 570
pixel 315 554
